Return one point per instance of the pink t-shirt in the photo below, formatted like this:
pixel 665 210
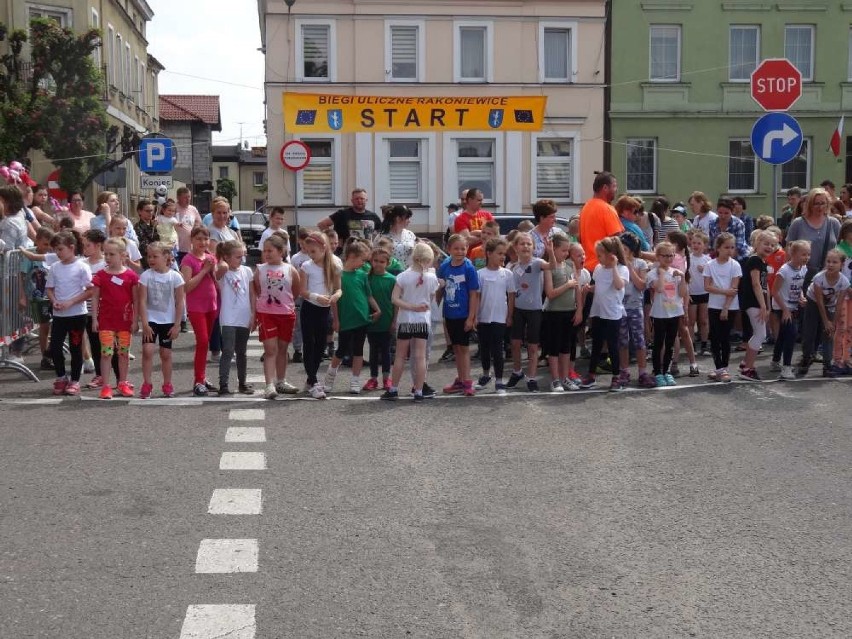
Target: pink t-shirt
pixel 82 223
pixel 188 218
pixel 204 297
pixel 276 289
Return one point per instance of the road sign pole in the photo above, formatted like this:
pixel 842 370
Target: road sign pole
pixel 296 202
pixel 776 186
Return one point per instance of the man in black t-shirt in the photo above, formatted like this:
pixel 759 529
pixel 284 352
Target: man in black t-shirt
pixel 353 221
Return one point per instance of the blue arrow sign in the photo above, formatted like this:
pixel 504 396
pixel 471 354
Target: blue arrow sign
pixel 156 155
pixel 776 138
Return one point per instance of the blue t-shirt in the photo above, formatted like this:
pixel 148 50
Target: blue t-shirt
pixel 460 281
pixel 638 232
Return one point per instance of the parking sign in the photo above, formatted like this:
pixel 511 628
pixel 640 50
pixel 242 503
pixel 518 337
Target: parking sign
pixel 156 155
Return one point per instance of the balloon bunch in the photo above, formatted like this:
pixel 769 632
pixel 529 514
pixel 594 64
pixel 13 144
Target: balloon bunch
pixel 16 173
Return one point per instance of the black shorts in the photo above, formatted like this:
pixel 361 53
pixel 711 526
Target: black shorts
pixel 412 331
pixel 558 332
pixel 527 324
pixel 457 334
pixel 351 342
pixel 699 299
pixel 161 333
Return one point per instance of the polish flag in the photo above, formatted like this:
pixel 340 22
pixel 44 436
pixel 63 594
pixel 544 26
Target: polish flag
pixel 835 138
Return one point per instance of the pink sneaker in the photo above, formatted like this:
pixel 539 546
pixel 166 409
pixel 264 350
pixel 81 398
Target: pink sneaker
pixel 455 387
pixel 145 391
pixel 371 384
pixel 60 385
pixel 168 390
pixel 97 382
pixel 467 386
pixel 73 388
pixel 386 384
pixel 125 389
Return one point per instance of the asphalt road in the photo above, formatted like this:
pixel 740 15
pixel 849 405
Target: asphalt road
pixel 709 511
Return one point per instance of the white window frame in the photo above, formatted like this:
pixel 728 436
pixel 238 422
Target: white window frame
pixel 849 68
pixel 254 181
pixel 812 29
pixel 427 165
pixel 119 54
pixel 749 27
pixel 571 27
pixel 451 178
pixel 420 25
pixel 111 54
pixel 143 86
pixel 574 137
pixel 679 52
pixel 128 71
pixel 332 50
pixel 808 167
pixel 336 168
pixel 97 53
pixel 65 15
pixel 756 184
pixel 632 142
pixel 458 25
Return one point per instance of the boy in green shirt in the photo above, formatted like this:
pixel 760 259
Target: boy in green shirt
pixel 379 332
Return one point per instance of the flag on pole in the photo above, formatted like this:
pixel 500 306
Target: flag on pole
pixel 835 138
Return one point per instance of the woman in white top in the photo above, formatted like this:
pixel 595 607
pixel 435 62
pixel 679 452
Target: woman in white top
pixel 395 226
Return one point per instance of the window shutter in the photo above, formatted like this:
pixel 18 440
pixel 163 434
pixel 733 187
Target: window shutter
pixel 404 52
pixel 317 183
pixel 405 182
pixel 316 46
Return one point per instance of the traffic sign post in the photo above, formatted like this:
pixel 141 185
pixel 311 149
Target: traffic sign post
pixel 156 155
pixel 776 138
pixel 776 84
pixel 295 155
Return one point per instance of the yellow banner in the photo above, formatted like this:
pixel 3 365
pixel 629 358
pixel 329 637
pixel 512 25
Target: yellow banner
pixel 316 113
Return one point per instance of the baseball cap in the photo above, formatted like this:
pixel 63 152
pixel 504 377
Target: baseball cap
pixel 679 208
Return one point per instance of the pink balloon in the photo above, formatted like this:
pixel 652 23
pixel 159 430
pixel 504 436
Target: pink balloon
pixel 16 166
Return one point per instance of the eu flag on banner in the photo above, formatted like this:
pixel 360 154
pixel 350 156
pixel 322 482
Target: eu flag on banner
pixel 306 116
pixel 523 116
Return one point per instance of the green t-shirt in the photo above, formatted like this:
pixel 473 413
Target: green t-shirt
pixel 353 307
pixel 382 287
pixel 395 267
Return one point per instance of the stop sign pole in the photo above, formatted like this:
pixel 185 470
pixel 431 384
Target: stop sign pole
pixel 776 84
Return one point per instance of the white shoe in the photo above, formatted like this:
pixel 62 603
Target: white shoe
pixel 570 385
pixel 328 382
pixel 355 386
pixel 285 388
pixel 317 391
pixel 556 386
pixel 89 366
pixel 270 392
pixel 787 373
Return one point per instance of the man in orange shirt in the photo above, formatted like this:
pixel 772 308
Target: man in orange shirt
pixel 598 218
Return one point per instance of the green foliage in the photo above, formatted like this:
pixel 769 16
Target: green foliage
pixel 226 188
pixel 53 102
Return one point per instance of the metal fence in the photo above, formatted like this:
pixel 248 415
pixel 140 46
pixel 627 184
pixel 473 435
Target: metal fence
pixel 15 322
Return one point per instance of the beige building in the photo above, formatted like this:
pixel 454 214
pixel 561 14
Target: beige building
pixel 246 166
pixel 130 73
pixel 439 48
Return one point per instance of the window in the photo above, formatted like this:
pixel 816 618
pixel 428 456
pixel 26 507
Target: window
pixel 258 178
pixel 119 62
pixel 475 166
pixel 849 71
pixel 97 53
pixel 555 52
pixel 61 16
pixel 315 51
pixel 472 53
pixel 128 70
pixel 111 55
pixel 404 48
pixel 259 204
pixel 799 49
pixel 665 53
pixel 641 165
pixel 797 172
pixel 143 93
pixel 223 172
pixel 405 171
pixel 317 179
pixel 553 169
pixel 744 52
pixel 742 167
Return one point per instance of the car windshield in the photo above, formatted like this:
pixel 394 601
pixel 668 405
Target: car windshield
pixel 247 217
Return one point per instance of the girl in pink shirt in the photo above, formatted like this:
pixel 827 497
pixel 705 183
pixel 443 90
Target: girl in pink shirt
pixel 197 269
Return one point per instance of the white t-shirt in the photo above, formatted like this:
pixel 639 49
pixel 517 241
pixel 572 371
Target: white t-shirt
pixel 415 292
pixel 608 302
pixel 68 281
pixel 494 285
pixel 160 294
pixel 299 258
pixel 830 292
pixel 697 266
pixel 235 304
pixel 189 218
pixel 721 275
pixel 668 303
pixel 633 297
pixel 265 235
pixel 313 281
pixel 133 250
pixel 791 286
pixel 703 223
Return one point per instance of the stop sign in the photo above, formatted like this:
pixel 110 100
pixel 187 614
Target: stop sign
pixel 53 186
pixel 776 84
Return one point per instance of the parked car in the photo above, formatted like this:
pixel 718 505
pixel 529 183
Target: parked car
pixel 511 221
pixel 252 226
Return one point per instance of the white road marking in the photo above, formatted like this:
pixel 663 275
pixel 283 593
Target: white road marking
pixel 255 379
pixel 235 501
pixel 221 621
pixel 41 401
pixel 254 352
pixel 248 434
pixel 165 401
pixel 247 414
pixel 242 461
pixel 219 556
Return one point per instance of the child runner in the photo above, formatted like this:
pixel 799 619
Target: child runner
pixel 460 294
pixel 202 303
pixel 132 257
pixel 577 255
pixel 413 295
pixel 236 313
pixel 379 332
pixel 299 258
pixel 698 296
pixel 320 288
pixel 356 310
pixel 787 298
pixel 670 299
pixel 752 294
pixel 774 262
pixel 632 327
pixel 721 281
pixel 161 305
pixel 526 320
pixel 113 316
pixel 681 262
pixel 827 288
pixel 68 284
pixel 496 306
pixel 146 228
pixel 93 245
pixel 33 281
pixel 561 315
pixel 276 286
pixel 610 277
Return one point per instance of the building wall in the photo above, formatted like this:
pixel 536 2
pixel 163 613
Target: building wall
pixel 693 120
pixel 250 194
pixel 574 112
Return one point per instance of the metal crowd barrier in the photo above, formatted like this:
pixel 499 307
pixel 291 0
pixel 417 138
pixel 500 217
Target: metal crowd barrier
pixel 15 322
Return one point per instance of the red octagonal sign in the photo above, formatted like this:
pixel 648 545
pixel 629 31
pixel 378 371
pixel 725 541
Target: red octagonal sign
pixel 776 84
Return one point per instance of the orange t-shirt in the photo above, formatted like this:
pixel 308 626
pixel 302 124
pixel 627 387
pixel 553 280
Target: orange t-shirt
pixel 598 220
pixel 774 262
pixel 472 222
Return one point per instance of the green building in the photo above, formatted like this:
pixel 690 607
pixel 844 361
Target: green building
pixel 680 108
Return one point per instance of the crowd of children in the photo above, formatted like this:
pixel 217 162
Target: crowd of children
pixel 685 294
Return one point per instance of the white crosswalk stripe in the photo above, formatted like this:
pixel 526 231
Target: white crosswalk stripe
pixel 219 621
pixel 219 556
pixel 236 501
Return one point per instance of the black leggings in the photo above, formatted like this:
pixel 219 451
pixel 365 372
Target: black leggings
pixel 785 341
pixel 491 346
pixel 813 334
pixel 379 352
pixel 95 345
pixel 604 330
pixel 665 332
pixel 73 328
pixel 720 336
pixel 314 320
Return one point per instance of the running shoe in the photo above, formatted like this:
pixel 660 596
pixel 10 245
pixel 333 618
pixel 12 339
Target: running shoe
pixel 285 388
pixel 532 386
pixel 693 370
pixel 125 389
pixel 646 381
pixel 72 389
pixel 500 388
pixel 168 390
pixel 570 384
pixel 483 382
pixel 615 386
pixel 514 378
pixel 106 392
pixel 297 357
pixel 787 373
pixel 317 391
pixel 371 385
pixel 390 395
pixel 467 388
pixel 209 385
pixel 60 385
pixel 355 386
pixel 428 391
pixel 247 389
pixel 670 380
pixel 588 382
pixel 386 384
pixel 96 382
pixel 556 386
pixel 749 375
pixel 725 377
pixel 455 387
pixel 447 356
pixel 145 391
pixel 270 392
pixel 199 390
